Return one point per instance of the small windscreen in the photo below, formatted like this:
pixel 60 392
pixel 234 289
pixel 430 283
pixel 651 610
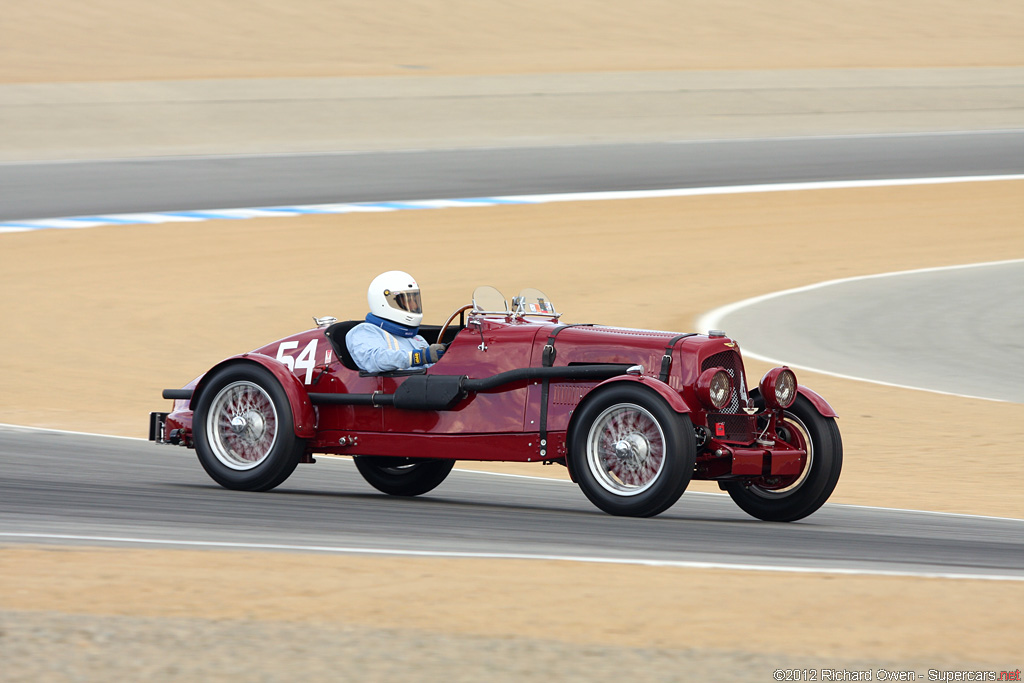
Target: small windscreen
pixel 487 299
pixel 534 302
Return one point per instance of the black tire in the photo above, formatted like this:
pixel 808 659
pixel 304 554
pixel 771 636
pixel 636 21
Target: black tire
pixel 631 454
pixel 403 476
pixel 259 450
pixel 793 500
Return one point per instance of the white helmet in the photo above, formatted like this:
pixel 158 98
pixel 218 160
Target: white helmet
pixel 395 296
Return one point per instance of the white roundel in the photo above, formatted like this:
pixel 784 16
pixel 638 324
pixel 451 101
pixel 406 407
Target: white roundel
pixel 395 296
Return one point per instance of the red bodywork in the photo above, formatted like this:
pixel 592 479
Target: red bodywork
pixel 505 423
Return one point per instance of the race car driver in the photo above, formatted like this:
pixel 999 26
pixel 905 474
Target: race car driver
pixel 389 338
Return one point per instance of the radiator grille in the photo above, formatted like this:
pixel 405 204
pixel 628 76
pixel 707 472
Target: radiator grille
pixel 739 428
pixel 731 363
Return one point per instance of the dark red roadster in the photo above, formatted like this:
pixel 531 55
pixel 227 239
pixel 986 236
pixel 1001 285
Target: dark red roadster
pixel 633 414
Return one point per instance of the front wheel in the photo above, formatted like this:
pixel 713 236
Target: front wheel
pixel 403 476
pixel 243 429
pixel 631 453
pixel 776 499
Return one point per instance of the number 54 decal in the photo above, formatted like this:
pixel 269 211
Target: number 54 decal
pixel 306 359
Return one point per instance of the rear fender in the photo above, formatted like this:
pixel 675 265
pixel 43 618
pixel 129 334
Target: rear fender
pixel 819 403
pixel 303 415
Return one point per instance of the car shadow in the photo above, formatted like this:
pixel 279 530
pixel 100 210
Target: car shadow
pixel 436 500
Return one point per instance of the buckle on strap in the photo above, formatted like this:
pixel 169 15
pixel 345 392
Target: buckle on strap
pixel 547 357
pixel 666 360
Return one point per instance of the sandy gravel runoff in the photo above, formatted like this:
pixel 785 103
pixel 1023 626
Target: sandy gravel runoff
pixel 107 40
pixel 138 309
pixel 129 119
pixel 117 79
pixel 371 618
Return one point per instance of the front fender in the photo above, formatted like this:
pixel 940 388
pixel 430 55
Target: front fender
pixel 819 403
pixel 674 400
pixel 672 397
pixel 303 415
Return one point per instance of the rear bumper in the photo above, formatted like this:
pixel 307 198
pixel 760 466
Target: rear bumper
pixel 162 430
pixel 156 427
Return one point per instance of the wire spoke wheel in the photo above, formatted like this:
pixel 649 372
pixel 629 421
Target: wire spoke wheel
pixel 630 452
pixel 794 432
pixel 244 430
pixel 793 497
pixel 242 425
pixel 626 449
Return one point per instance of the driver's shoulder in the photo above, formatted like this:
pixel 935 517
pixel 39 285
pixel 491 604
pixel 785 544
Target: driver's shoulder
pixel 365 331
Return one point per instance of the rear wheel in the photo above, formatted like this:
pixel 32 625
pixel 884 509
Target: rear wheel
pixel 631 453
pixel 403 476
pixel 243 430
pixel 786 499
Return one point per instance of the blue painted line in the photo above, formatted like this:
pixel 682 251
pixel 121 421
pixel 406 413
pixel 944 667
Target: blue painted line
pixel 208 215
pixel 310 210
pixel 305 211
pixel 490 201
pixel 398 206
pixel 107 220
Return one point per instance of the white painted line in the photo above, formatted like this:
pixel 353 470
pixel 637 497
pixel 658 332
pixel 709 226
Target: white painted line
pixel 713 320
pixel 395 552
pixel 256 213
pixel 23 428
pixel 476 202
pixel 692 494
pixel 514 476
pixel 749 189
pixel 921 512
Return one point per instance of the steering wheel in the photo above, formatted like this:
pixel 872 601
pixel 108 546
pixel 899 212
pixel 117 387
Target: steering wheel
pixel 449 321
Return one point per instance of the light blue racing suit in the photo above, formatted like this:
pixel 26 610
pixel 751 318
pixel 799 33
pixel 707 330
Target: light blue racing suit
pixel 374 349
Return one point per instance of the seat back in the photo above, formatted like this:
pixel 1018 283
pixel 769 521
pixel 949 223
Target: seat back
pixel 336 333
pixel 430 332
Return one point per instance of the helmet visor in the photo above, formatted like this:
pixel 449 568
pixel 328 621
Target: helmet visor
pixel 408 301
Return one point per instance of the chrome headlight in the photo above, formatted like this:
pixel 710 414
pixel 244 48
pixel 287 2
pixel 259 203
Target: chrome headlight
pixel 714 388
pixel 778 387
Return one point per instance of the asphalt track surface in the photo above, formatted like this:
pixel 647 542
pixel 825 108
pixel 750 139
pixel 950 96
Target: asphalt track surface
pixel 952 330
pixel 58 189
pixel 59 484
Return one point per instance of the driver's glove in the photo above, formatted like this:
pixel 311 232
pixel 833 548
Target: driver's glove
pixel 426 356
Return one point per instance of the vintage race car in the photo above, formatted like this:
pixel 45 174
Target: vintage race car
pixel 633 414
